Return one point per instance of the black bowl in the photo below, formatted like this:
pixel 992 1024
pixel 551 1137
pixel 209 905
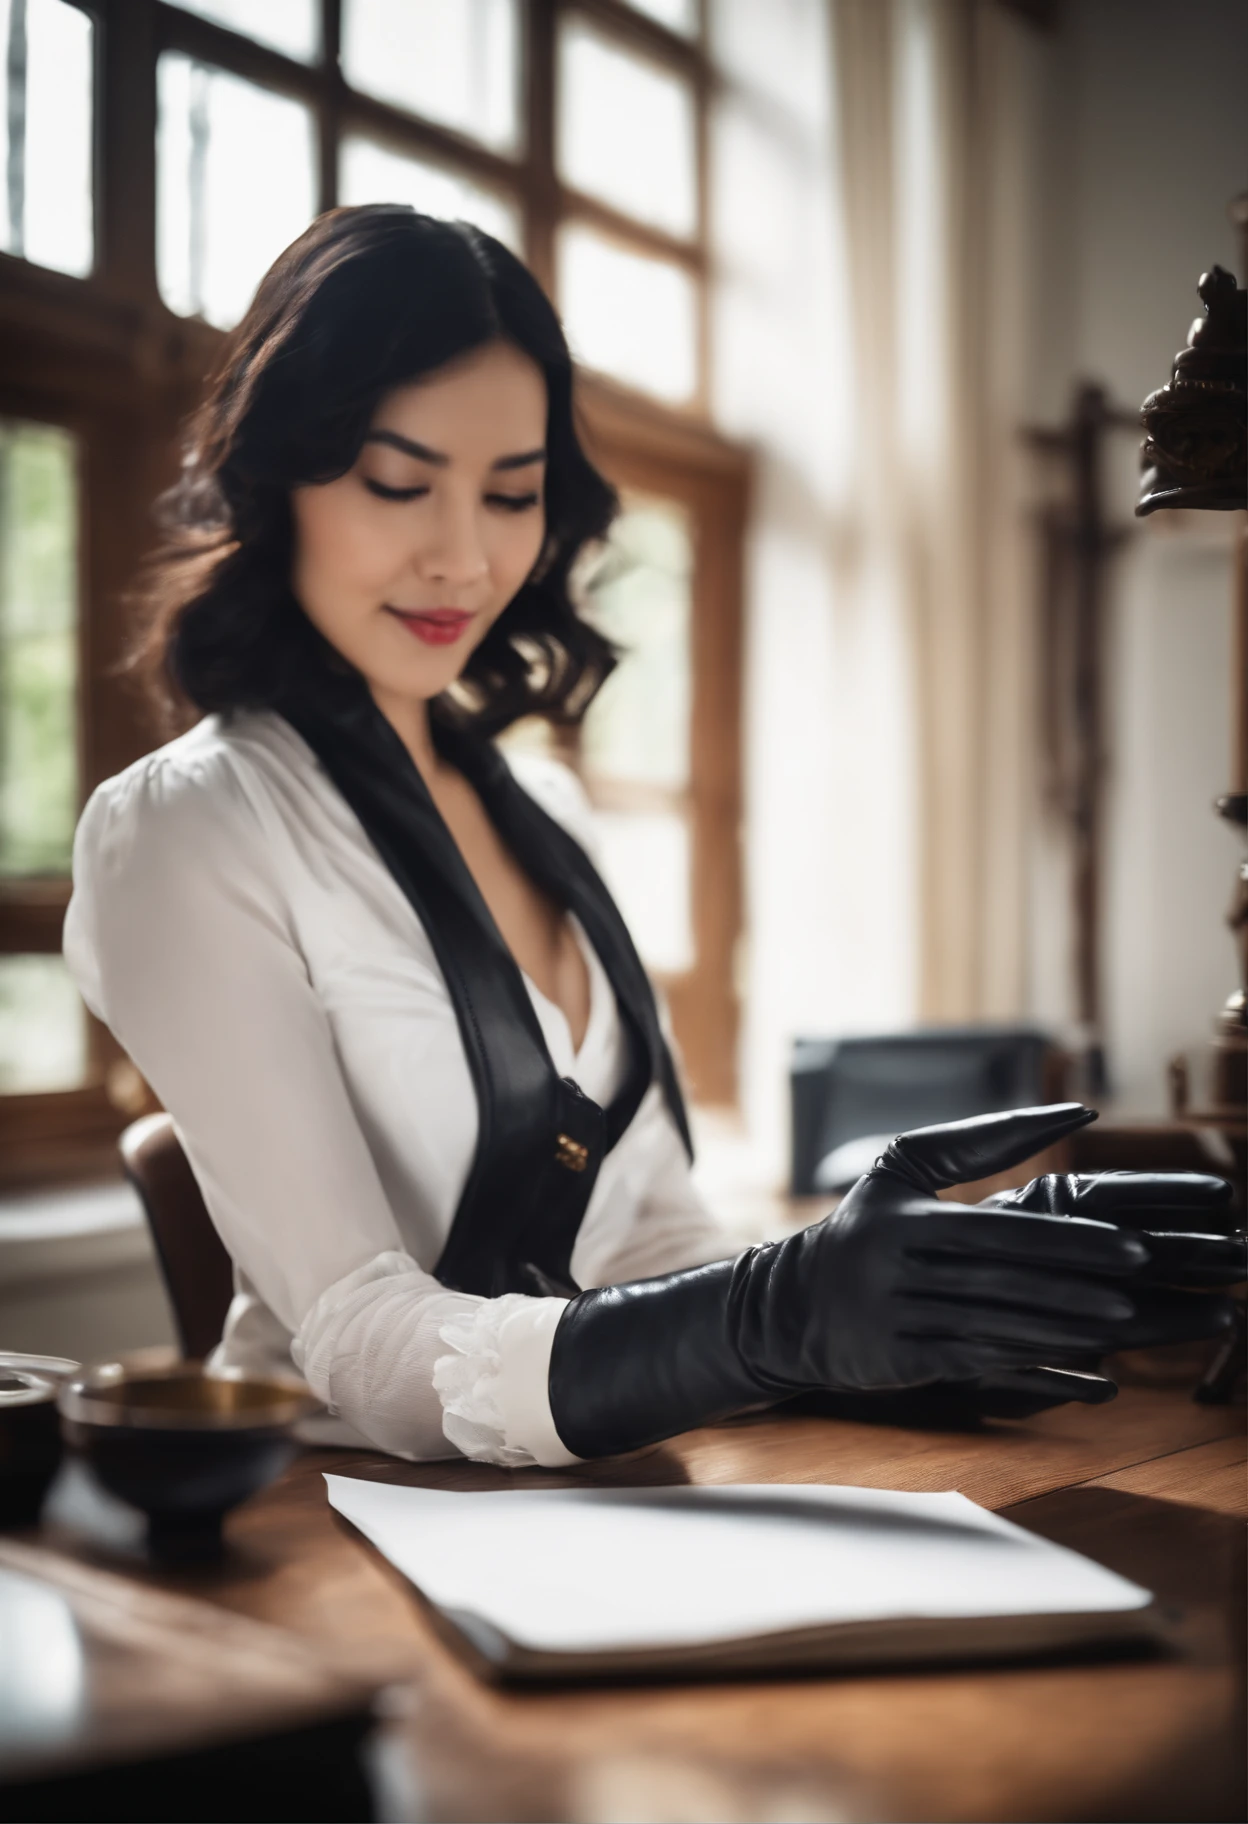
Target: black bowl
pixel 30 1434
pixel 182 1446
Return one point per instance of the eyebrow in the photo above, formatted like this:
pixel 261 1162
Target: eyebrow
pixel 523 459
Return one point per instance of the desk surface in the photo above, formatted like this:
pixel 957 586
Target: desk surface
pixel 1153 1486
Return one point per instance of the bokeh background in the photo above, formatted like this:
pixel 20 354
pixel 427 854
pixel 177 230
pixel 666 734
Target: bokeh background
pixel 826 263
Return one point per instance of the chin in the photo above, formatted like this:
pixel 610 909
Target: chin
pixel 420 674
pixel 414 682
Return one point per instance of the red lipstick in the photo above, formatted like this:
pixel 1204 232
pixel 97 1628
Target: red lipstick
pixel 435 626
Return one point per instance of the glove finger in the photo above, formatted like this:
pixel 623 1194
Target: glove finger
pixel 959 1152
pixel 1039 1388
pixel 1167 1316
pixel 1158 1200
pixel 1112 1196
pixel 1019 1335
pixel 1023 1288
pixel 1195 1260
pixel 1046 1241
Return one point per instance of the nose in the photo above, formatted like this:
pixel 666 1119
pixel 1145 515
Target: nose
pixel 453 550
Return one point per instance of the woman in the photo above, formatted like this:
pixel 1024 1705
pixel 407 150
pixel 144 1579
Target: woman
pixel 370 970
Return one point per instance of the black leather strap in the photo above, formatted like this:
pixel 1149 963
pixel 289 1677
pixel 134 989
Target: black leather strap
pixel 560 866
pixel 540 1141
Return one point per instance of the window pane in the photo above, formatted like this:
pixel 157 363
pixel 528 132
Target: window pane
pixel 637 728
pixel 235 185
pixel 635 739
pixel 372 174
pixel 43 1030
pixel 454 61
pixel 629 315
pixel 292 26
pixel 645 862
pixel 38 648
pixel 626 130
pixel 46 212
pixel 677 15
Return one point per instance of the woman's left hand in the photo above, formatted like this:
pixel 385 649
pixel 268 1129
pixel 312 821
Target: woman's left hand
pixel 1186 1217
pixel 1183 1215
pixel 1188 1220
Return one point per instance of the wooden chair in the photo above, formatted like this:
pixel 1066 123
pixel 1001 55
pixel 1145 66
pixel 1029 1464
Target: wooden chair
pixel 196 1269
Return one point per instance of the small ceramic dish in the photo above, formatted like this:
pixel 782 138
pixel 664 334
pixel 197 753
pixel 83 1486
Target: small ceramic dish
pixel 52 1367
pixel 30 1433
pixel 182 1446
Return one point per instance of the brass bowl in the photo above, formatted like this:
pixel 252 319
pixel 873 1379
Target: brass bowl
pixel 182 1446
pixel 30 1436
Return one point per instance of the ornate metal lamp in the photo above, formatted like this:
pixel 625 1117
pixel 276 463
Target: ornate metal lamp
pixel 1195 451
pixel 1195 454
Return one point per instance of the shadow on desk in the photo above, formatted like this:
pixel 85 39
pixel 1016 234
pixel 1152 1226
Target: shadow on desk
pixel 313 1776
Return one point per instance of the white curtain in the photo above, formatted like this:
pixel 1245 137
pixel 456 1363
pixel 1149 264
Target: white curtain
pixel 872 164
pixel 938 153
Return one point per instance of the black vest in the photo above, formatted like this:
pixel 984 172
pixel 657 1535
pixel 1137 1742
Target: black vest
pixel 540 1141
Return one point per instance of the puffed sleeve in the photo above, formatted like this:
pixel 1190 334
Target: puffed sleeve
pixel 179 938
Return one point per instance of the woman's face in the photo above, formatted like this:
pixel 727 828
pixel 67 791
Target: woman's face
pixel 405 562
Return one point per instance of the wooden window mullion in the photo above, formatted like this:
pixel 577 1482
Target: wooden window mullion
pixel 702 178
pixel 541 188
pixel 125 146
pixel 574 204
pixel 390 126
pixel 643 34
pixel 214 44
pixel 329 110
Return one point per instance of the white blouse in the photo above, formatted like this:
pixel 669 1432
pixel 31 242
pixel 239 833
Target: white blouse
pixel 234 927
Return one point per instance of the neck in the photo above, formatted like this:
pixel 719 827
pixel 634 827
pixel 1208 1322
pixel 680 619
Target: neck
pixel 409 718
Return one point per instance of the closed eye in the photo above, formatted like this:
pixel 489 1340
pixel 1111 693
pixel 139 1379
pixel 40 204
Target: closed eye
pixel 382 492
pixel 510 503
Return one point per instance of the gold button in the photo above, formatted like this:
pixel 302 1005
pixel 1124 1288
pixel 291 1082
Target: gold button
pixel 571 1153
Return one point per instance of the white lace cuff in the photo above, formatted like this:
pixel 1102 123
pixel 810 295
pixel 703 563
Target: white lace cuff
pixel 317 1348
pixel 495 1404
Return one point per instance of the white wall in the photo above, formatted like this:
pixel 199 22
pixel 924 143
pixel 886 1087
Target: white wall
pixel 1148 142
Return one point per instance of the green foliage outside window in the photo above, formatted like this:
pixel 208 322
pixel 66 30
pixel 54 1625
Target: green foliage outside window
pixel 38 649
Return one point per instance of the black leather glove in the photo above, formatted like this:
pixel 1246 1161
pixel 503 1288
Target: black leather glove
pixel 895 1289
pixel 1185 1219
pixel 1014 1393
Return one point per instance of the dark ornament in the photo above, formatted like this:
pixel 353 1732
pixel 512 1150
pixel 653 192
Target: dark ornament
pixel 1195 451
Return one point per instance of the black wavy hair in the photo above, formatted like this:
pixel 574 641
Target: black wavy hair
pixel 365 300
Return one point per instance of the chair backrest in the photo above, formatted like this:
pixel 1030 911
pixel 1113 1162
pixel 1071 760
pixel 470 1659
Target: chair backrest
pixel 195 1267
pixel 877 1086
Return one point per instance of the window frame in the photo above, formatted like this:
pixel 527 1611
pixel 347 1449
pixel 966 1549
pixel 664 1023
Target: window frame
pixel 531 175
pixel 105 357
pixel 711 477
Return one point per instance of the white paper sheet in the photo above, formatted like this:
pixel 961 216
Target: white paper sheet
pixel 601 1569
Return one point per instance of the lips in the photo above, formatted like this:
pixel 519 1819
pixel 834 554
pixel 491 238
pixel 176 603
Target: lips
pixel 433 626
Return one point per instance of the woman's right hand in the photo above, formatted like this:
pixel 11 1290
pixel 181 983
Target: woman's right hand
pixel 899 1289
pixel 895 1289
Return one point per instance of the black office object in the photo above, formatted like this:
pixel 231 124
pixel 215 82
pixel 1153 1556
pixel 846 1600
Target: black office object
pixel 848 1088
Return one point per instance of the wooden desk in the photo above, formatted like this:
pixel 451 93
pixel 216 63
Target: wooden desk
pixel 1153 1486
